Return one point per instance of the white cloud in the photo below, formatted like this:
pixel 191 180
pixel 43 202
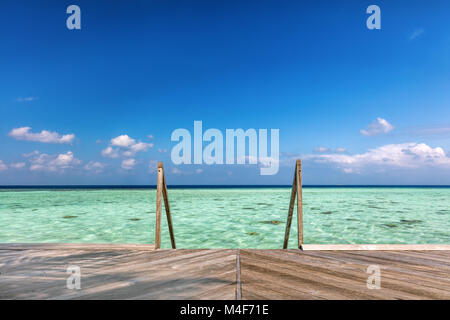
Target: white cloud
pixel 321 149
pixel 18 165
pixel 53 163
pixel 404 155
pixel 198 171
pixel 3 166
pixel 26 99
pixel 163 150
pixel 125 146
pixel 377 127
pixel 44 136
pixel 349 170
pixel 150 136
pixel 94 166
pixel 122 141
pixel 110 152
pixel 328 150
pixel 140 146
pixel 27 155
pixel 128 164
pixel 416 33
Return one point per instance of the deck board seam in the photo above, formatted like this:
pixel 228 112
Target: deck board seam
pixel 238 276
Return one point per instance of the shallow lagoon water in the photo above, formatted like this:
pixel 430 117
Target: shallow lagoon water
pixel 228 217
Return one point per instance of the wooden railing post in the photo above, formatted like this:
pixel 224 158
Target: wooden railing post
pixel 159 188
pixel 291 210
pixel 295 192
pixel 161 191
pixel 299 203
pixel 168 215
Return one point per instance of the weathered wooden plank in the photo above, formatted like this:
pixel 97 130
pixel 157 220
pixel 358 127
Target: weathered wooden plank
pixel 382 247
pixel 184 273
pixel 325 281
pixel 238 276
pixel 332 260
pixel 389 270
pixel 347 257
pixel 437 255
pixel 401 257
pixel 135 272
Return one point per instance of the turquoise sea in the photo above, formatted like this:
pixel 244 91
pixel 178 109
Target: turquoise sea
pixel 227 217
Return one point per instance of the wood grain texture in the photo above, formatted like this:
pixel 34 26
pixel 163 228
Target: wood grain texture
pixel 296 274
pixel 38 271
pixel 385 247
pixel 159 187
pixel 291 211
pixel 296 191
pixel 298 169
pixel 118 274
pixel 168 215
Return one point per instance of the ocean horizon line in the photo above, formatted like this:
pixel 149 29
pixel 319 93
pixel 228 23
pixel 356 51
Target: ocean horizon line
pixel 215 186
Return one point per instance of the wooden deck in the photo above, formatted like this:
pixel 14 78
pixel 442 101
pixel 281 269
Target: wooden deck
pixel 38 271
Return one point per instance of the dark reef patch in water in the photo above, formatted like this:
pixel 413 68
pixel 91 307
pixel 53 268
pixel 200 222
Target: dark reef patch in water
pixel 69 217
pixel 270 222
pixel 253 233
pixel 248 208
pixel 134 219
pixel 326 212
pixel 390 225
pixel 410 221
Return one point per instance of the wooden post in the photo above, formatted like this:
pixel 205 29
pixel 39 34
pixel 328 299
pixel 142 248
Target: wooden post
pixel 169 217
pixel 159 188
pixel 299 203
pixel 291 210
pixel 295 192
pixel 161 191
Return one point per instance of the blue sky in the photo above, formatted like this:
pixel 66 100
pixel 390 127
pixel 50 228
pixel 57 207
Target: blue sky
pixel 359 106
